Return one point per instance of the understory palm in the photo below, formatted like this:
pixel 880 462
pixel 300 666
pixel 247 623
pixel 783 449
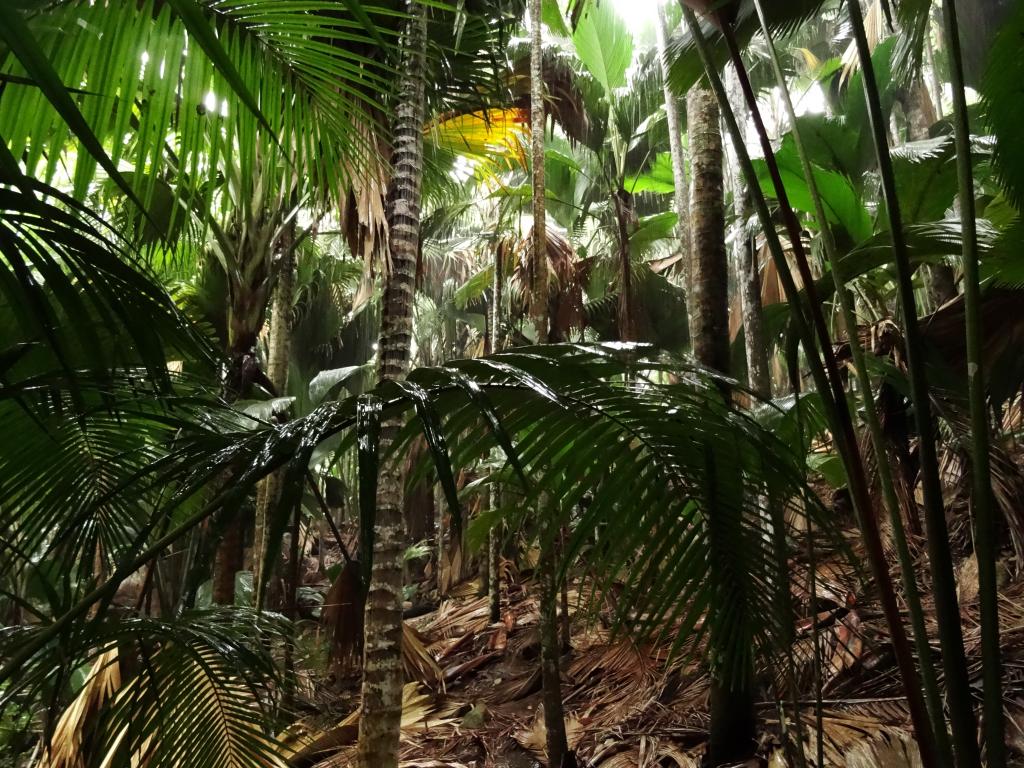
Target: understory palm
pixel 217 219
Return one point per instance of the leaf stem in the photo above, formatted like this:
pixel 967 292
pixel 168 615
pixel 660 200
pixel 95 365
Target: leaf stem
pixel 947 607
pixel 912 595
pixel 829 384
pixel 985 543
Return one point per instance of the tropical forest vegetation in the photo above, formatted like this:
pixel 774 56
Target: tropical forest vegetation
pixel 452 383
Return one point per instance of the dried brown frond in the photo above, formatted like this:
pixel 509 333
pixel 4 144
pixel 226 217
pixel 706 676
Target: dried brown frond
pixel 69 744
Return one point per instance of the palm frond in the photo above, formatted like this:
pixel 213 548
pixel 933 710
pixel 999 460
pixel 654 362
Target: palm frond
pixel 199 689
pixel 138 72
pixel 72 287
pixel 592 420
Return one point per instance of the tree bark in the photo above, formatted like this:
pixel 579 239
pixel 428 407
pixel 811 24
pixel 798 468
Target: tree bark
pixel 675 139
pixel 755 341
pixel 494 493
pixel 381 715
pixel 246 314
pixel 539 246
pixel 623 215
pixel 707 223
pixel 733 722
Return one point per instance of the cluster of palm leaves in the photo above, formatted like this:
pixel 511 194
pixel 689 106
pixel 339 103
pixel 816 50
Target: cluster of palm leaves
pixel 175 177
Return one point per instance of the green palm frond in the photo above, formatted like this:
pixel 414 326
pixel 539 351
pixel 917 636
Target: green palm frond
pixel 200 689
pixel 1000 87
pixel 75 292
pixel 783 19
pixel 582 420
pixel 315 75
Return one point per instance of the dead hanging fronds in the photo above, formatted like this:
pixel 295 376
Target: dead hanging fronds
pixel 69 744
pixel 342 618
pixel 567 274
pixel 362 216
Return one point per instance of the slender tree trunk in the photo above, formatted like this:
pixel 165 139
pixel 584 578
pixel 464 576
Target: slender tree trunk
pixel 551 681
pixel 623 216
pixel 675 139
pixel 748 274
pixel 539 248
pixel 755 341
pixel 933 73
pixel 278 351
pixel 381 715
pixel 707 219
pixel 494 493
pixel 733 723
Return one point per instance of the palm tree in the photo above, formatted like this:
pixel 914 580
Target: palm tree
pixel 733 724
pixel 554 718
pixel 382 643
pixel 278 359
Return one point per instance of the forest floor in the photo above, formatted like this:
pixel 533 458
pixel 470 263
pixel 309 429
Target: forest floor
pixel 474 701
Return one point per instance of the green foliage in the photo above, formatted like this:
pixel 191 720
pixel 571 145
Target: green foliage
pixel 74 295
pixel 309 73
pixel 657 178
pixel 1001 93
pixel 842 203
pixel 604 45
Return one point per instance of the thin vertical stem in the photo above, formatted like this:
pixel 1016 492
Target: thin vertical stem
pixel 946 605
pixel 985 544
pixel 554 718
pixel 494 493
pixel 931 687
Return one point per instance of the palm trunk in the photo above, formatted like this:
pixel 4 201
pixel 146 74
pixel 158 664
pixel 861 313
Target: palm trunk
pixel 554 718
pixel 623 212
pixel 933 74
pixel 707 223
pixel 269 491
pixel 539 286
pixel 494 493
pixel 246 315
pixel 940 744
pixel 381 715
pixel 947 609
pixel 733 723
pixel 986 544
pixel 748 275
pixel 824 370
pixel 675 140
pixel 755 341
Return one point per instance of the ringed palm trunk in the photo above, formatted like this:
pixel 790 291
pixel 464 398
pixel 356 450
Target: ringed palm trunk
pixel 381 716
pixel 623 215
pixel 494 494
pixel 707 223
pixel 551 680
pixel 733 723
